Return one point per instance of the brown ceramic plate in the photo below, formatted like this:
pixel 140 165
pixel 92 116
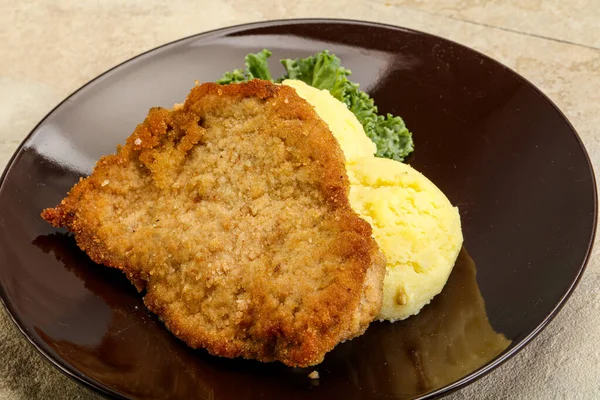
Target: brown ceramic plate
pixel 493 143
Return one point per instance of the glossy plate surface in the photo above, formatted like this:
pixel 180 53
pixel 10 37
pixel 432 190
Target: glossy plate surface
pixel 496 146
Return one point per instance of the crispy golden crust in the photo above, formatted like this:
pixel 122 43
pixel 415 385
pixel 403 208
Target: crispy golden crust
pixel 232 212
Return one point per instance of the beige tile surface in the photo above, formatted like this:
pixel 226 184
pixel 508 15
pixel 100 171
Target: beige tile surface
pixel 574 21
pixel 49 50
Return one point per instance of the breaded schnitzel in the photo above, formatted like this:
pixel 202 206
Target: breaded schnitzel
pixel 232 213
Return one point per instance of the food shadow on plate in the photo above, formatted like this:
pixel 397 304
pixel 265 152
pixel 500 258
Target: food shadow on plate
pixel 134 354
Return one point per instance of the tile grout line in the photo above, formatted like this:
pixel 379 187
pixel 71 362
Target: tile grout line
pixel 534 35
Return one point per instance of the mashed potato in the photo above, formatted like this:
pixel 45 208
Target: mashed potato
pixel 415 226
pixel 413 222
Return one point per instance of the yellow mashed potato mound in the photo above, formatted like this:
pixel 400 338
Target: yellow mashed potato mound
pixel 415 226
pixel 413 222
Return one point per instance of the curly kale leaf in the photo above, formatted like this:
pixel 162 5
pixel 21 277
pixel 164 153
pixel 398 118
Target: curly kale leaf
pixel 257 67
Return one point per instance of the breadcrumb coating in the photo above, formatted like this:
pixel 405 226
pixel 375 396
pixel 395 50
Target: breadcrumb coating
pixel 232 213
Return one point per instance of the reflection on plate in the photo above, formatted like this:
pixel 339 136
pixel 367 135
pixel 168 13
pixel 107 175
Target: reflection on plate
pixel 448 339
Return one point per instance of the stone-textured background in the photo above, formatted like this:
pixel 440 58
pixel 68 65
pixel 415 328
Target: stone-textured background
pixel 49 49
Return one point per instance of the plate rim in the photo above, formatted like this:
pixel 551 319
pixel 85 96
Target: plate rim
pixel 102 389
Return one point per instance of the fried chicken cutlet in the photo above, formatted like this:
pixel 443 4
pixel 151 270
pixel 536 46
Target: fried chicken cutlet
pixel 232 213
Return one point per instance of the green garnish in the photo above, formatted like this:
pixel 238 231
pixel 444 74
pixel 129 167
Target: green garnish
pixel 324 71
